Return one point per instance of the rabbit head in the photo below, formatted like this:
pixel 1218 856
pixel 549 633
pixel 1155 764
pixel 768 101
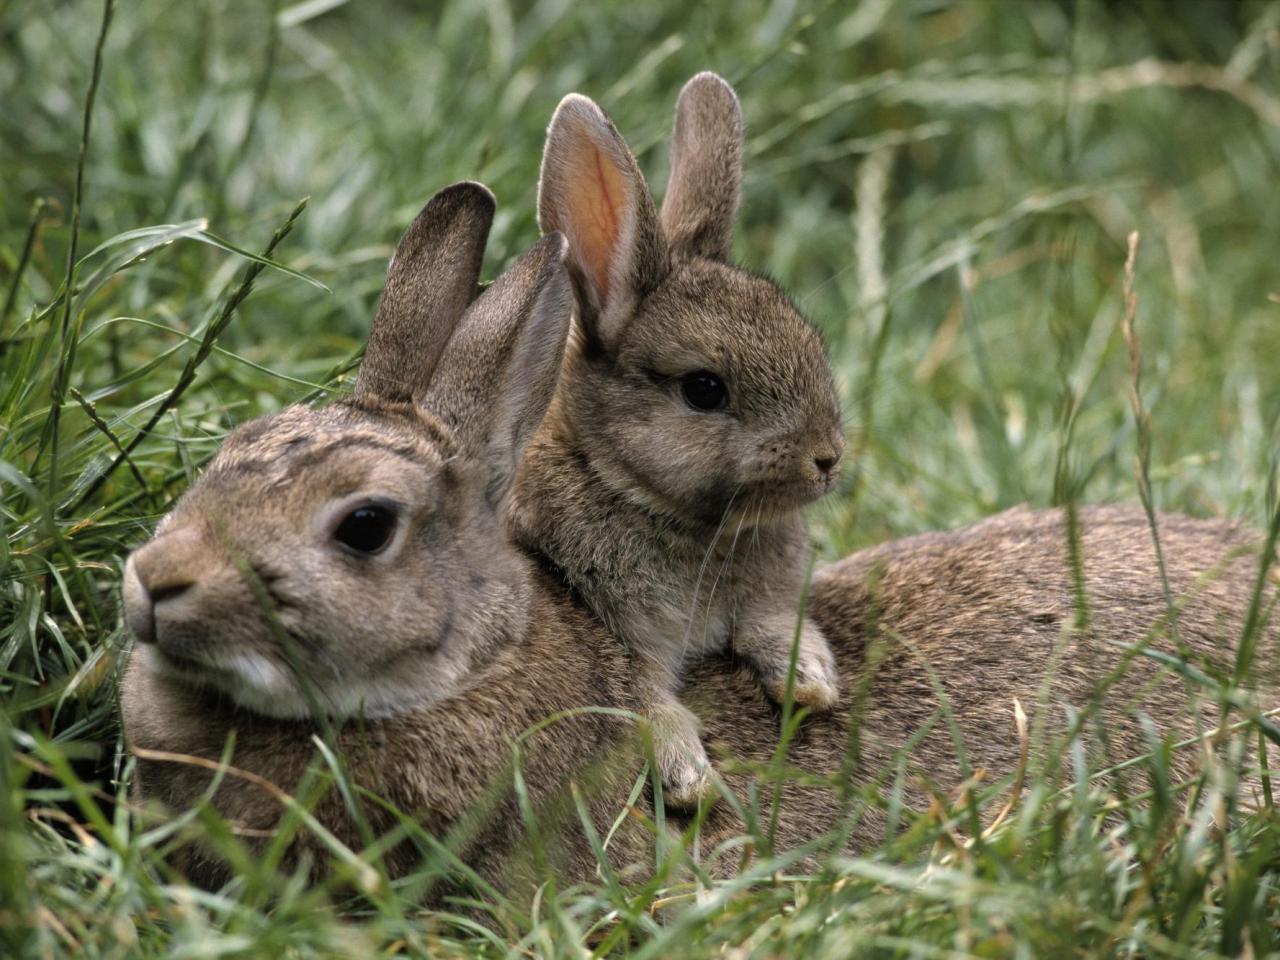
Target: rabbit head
pixel 350 559
pixel 695 384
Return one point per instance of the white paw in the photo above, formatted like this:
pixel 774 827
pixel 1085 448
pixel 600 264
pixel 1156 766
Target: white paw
pixel 817 683
pixel 682 760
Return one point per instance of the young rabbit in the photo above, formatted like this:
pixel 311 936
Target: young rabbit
pixel 349 562
pixel 695 418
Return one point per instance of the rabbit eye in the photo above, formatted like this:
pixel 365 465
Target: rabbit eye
pixel 703 390
pixel 366 529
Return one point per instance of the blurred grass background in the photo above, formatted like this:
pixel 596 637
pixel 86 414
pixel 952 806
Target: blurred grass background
pixel 945 187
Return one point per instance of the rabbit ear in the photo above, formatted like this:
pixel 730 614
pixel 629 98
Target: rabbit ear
pixel 706 170
pixel 431 280
pixel 499 371
pixel 591 190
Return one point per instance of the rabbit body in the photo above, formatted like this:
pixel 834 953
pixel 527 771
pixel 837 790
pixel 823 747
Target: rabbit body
pixel 674 591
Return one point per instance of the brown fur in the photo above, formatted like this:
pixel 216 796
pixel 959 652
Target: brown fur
pixel 680 527
pixel 989 611
pixel 447 765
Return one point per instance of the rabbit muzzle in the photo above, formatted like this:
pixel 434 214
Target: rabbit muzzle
pixel 797 470
pixel 161 583
pixel 185 602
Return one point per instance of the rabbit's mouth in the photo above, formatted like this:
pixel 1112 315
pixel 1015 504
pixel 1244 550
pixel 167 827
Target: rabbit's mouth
pixel 188 670
pixel 261 683
pixel 177 662
pixel 762 510
pixel 768 501
pixel 228 672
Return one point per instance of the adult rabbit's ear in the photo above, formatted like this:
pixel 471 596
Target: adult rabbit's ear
pixel 591 190
pixel 701 204
pixel 499 372
pixel 430 281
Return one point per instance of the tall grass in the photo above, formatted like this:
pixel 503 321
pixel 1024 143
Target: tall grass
pixel 948 188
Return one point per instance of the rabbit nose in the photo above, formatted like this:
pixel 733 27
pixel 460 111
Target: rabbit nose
pixel 139 614
pixel 170 563
pixel 827 455
pixel 161 571
pixel 827 460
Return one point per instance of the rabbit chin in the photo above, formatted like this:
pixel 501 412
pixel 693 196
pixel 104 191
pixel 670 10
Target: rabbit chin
pixel 261 685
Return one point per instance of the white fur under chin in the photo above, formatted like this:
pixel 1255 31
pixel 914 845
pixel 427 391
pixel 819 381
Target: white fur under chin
pixel 261 685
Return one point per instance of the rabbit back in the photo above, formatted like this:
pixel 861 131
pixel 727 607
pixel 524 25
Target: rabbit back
pixel 952 627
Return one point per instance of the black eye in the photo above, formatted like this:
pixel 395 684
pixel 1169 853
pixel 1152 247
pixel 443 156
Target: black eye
pixel 703 390
pixel 366 529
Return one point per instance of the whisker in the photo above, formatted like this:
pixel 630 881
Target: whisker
pixel 727 564
pixel 702 568
pixel 755 528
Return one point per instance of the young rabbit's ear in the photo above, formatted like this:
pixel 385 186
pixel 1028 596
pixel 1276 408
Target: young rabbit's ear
pixel 499 371
pixel 591 190
pixel 431 280
pixel 706 170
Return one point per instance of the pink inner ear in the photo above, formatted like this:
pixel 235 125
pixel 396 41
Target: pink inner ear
pixel 597 207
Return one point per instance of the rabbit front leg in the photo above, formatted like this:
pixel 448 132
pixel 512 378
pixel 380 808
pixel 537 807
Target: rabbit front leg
pixel 766 637
pixel 677 743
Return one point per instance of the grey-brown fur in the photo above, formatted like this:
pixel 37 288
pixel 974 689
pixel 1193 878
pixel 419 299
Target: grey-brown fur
pixel 680 527
pixel 990 611
pixel 491 644
pixel 446 589
pixel 400 360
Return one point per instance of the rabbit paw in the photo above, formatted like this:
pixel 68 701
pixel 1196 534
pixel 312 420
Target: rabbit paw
pixel 817 681
pixel 682 761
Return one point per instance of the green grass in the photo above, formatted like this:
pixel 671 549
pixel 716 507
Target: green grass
pixel 947 189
